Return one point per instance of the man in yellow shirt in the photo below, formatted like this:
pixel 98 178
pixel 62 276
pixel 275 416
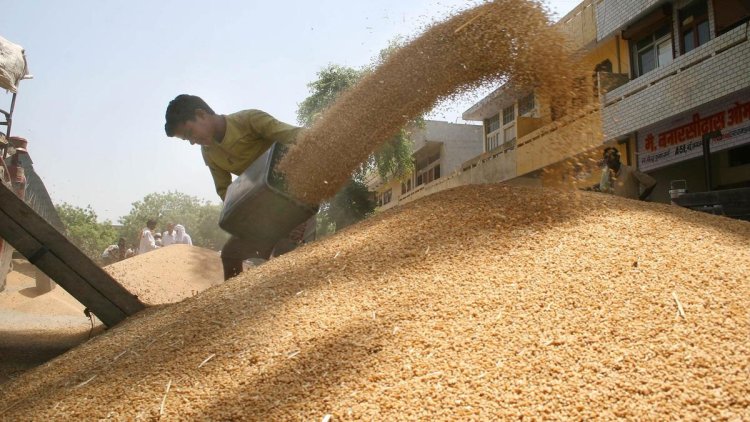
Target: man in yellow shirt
pixel 230 144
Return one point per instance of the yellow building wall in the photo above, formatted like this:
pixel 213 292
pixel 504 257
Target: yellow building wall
pixel 540 144
pixel 609 51
pixel 526 125
pixel 557 141
pixel 580 24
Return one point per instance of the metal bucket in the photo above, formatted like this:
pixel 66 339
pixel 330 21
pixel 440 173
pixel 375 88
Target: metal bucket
pixel 258 208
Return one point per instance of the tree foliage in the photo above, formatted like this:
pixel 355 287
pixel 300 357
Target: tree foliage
pixel 332 81
pixel 83 229
pixel 200 218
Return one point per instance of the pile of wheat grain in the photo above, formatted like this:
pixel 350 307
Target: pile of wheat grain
pixel 169 274
pixel 482 302
pixel 497 41
pixel 36 326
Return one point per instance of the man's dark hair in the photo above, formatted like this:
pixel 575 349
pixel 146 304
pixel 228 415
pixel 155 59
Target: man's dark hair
pixel 182 109
pixel 151 224
pixel 613 149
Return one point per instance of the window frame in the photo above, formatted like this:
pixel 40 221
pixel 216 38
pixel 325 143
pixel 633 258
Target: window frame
pixel 654 41
pixel 526 105
pixel 694 25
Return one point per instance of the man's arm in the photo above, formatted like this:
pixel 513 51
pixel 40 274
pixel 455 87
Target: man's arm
pixel 647 182
pixel 270 128
pixel 605 183
pixel 222 180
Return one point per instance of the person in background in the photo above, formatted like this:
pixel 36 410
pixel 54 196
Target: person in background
pixel 148 243
pixel 131 252
pixel 623 180
pixel 157 238
pixel 181 237
pixel 115 253
pixel 167 238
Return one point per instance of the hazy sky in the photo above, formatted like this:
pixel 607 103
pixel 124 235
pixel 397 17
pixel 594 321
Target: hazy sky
pixel 105 70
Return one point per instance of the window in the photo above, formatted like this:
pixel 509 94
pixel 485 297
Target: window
pixel 653 50
pixel 405 186
pixel 525 105
pixel 509 126
pixel 729 14
pixel 492 142
pixel 427 176
pixel 492 124
pixel 694 25
pixel 509 133
pixel 508 115
pixel 385 197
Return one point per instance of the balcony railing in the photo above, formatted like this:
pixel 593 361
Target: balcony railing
pixel 680 64
pixel 717 68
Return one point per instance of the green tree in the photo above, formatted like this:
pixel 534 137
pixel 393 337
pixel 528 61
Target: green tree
pixel 200 218
pixel 332 81
pixel 83 229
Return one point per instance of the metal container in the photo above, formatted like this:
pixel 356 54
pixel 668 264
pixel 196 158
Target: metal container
pixel 677 188
pixel 257 207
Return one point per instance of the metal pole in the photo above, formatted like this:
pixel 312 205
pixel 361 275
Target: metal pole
pixel 707 158
pixel 10 116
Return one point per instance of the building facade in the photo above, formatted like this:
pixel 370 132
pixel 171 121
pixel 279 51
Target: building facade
pixel 689 86
pixel 439 150
pixel 665 75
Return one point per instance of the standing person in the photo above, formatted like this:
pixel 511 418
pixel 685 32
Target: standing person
pixel 181 237
pixel 623 180
pixel 167 238
pixel 229 145
pixel 148 243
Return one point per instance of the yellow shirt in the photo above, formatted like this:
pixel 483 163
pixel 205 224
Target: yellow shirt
pixel 249 134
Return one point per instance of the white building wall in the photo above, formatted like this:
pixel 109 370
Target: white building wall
pixel 461 142
pixel 458 144
pixel 613 15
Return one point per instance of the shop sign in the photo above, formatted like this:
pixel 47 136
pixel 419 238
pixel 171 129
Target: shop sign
pixel 682 139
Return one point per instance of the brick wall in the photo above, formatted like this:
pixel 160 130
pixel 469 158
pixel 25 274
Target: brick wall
pixel 612 15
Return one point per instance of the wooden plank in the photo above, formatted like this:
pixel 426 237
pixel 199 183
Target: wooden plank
pixel 27 224
pixel 55 241
pixel 69 280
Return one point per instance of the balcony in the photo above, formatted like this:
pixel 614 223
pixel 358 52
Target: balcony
pixel 711 71
pixel 564 138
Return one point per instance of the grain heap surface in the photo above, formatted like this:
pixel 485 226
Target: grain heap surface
pixel 479 303
pixel 494 42
pixel 169 274
pixel 34 325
